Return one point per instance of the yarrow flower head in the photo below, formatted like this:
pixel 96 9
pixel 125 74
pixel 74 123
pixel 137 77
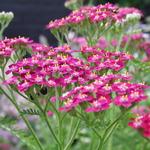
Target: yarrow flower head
pixel 7 46
pixel 128 13
pixel 94 14
pixel 56 67
pixel 101 59
pixel 97 96
pixel 141 122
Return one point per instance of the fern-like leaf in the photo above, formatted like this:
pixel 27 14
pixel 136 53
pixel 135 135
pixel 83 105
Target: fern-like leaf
pixel 7 121
pixel 7 124
pixel 30 111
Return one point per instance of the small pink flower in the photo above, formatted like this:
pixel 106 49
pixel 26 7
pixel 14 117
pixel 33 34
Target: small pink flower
pixel 22 87
pixel 99 105
pixel 102 43
pixel 123 101
pixel 81 41
pixel 114 42
pixel 49 113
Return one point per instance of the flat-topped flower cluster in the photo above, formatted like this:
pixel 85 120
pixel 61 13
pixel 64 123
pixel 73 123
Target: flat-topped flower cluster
pixel 94 76
pixel 104 91
pixel 107 13
pixel 58 67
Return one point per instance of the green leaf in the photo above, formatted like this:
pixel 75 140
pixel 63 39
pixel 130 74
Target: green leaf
pixel 7 121
pixel 30 111
pixel 7 124
pixel 143 66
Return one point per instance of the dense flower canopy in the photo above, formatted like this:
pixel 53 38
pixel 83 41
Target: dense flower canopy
pixel 58 67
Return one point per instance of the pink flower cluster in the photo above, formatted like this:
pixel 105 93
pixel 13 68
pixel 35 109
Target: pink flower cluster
pixel 7 46
pixel 123 12
pixel 133 39
pixel 104 91
pixel 94 14
pixel 104 60
pixel 95 87
pixel 56 67
pixel 146 47
pixel 106 13
pixel 142 122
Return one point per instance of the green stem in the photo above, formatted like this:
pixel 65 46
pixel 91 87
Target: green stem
pixel 94 130
pixel 110 142
pixel 99 144
pixel 127 44
pixel 51 130
pixel 73 135
pixel 44 115
pixel 13 101
pixel 24 118
pixel 120 41
pixel 58 116
pixel 71 128
pixel 108 132
pixel 60 130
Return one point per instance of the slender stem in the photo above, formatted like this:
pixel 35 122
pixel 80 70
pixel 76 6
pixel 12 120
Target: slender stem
pixel 60 130
pixel 120 41
pixel 110 130
pixel 127 44
pixel 21 95
pixel 58 116
pixel 110 133
pixel 13 101
pixel 51 130
pixel 110 142
pixel 44 115
pixel 94 130
pixel 24 118
pixel 99 144
pixel 71 128
pixel 73 135
pixel 32 131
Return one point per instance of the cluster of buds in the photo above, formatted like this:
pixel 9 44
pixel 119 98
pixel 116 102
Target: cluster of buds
pixel 141 121
pixel 127 17
pixel 74 4
pixel 6 17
